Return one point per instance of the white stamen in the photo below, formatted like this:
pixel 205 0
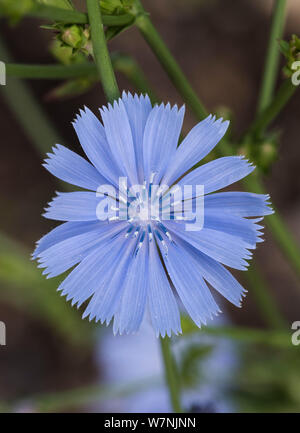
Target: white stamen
pixel 169 236
pixel 152 176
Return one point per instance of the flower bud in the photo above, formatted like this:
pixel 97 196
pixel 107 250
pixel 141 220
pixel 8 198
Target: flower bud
pixel 73 36
pixel 291 51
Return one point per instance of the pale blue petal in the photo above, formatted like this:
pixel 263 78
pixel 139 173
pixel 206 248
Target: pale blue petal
pixel 161 136
pixel 220 246
pixel 163 307
pixel 246 229
pixel 89 275
pixel 197 144
pixel 185 274
pixel 67 253
pixel 73 206
pixel 120 140
pixel 138 109
pixel 132 305
pixel 244 204
pixel 92 137
pixel 105 301
pixel 72 168
pixel 216 275
pixel 218 174
pixel 62 232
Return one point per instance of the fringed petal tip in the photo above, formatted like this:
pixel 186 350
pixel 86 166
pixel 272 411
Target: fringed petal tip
pixel 168 333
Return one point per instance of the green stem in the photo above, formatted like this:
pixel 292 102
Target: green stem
pixel 101 53
pixel 51 72
pixel 168 62
pixel 121 62
pixel 112 92
pixel 283 95
pixel 171 374
pixel 272 59
pixel 66 16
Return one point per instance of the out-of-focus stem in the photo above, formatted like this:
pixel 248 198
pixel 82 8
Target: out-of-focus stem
pixel 121 63
pixel 168 62
pixel 51 72
pixel 171 374
pixel 101 53
pixel 66 16
pixel 272 58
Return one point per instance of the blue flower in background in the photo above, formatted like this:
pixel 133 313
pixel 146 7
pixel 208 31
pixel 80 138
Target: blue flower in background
pixel 127 266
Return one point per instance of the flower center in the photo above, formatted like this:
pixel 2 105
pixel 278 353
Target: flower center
pixel 144 218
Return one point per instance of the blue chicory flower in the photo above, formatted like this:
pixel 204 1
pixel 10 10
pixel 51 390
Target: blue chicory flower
pixel 129 264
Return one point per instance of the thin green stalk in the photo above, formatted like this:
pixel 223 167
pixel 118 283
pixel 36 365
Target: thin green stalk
pixel 121 63
pixel 51 72
pixel 171 374
pixel 272 58
pixel 66 16
pixel 101 53
pixel 285 92
pixel 168 62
